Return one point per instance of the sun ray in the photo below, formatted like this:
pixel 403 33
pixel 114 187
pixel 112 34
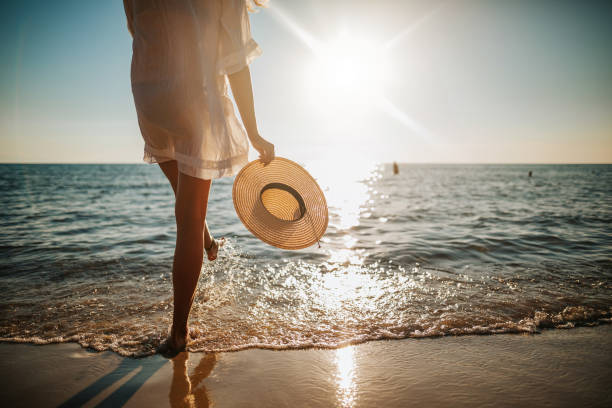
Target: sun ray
pixel 402 35
pixel 304 36
pixel 392 110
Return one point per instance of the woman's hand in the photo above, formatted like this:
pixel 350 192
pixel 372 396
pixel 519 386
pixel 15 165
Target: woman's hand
pixel 265 148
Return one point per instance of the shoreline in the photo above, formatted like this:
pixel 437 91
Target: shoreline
pixel 553 368
pixel 601 319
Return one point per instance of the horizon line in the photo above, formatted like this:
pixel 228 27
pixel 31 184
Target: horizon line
pixel 375 162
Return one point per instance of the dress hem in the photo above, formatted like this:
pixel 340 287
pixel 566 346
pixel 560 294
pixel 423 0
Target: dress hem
pixel 195 167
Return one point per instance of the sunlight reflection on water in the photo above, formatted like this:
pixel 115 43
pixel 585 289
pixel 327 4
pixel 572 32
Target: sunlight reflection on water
pixel 345 191
pixel 349 290
pixel 346 256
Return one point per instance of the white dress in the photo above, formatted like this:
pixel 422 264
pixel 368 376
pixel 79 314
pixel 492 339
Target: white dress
pixel 182 52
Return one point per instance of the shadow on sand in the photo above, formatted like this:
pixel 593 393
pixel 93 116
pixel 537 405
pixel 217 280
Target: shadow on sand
pixel 184 390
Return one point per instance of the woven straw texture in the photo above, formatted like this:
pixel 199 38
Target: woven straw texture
pixel 280 203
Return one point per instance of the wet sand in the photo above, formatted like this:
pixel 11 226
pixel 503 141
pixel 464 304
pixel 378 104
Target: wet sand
pixel 558 368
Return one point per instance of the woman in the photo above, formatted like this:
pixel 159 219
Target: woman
pixel 183 51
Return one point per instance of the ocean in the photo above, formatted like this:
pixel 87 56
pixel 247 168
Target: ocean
pixel 436 250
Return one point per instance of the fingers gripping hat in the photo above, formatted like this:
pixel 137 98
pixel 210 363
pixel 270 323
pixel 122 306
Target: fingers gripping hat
pixel 280 203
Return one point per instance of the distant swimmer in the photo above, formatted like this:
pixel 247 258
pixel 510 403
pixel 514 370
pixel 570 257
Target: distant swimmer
pixel 395 168
pixel 530 173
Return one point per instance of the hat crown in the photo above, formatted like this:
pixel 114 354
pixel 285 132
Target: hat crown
pixel 282 201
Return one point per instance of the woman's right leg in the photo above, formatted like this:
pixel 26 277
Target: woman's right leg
pixel 190 212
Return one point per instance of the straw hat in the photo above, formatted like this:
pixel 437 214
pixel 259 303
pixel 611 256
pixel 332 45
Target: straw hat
pixel 280 203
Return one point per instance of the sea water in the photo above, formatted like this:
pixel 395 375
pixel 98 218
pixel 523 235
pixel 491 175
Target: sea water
pixel 436 250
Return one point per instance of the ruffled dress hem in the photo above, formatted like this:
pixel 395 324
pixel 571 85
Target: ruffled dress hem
pixel 191 166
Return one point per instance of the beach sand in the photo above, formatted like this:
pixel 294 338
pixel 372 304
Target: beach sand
pixel 558 368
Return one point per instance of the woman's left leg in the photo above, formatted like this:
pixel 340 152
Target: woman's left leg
pixel 170 170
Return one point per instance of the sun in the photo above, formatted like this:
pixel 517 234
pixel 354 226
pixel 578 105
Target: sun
pixel 347 75
pixel 347 70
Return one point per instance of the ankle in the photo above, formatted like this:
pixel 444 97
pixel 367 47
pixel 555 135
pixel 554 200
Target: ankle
pixel 208 239
pixel 179 332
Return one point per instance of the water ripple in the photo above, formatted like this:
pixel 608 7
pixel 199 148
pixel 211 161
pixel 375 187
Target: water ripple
pixel 86 255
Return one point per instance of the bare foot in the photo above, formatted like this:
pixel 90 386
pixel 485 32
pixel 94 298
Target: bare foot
pixel 213 249
pixel 169 349
pixel 173 345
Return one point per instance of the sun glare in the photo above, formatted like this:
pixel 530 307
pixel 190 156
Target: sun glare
pixel 347 77
pixel 348 70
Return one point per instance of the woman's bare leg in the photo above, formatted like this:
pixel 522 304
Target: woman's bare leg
pixel 190 212
pixel 170 169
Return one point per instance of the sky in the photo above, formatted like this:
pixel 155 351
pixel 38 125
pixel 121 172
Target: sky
pixel 455 81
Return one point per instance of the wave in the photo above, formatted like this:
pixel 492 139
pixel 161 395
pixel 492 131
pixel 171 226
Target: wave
pixel 137 346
